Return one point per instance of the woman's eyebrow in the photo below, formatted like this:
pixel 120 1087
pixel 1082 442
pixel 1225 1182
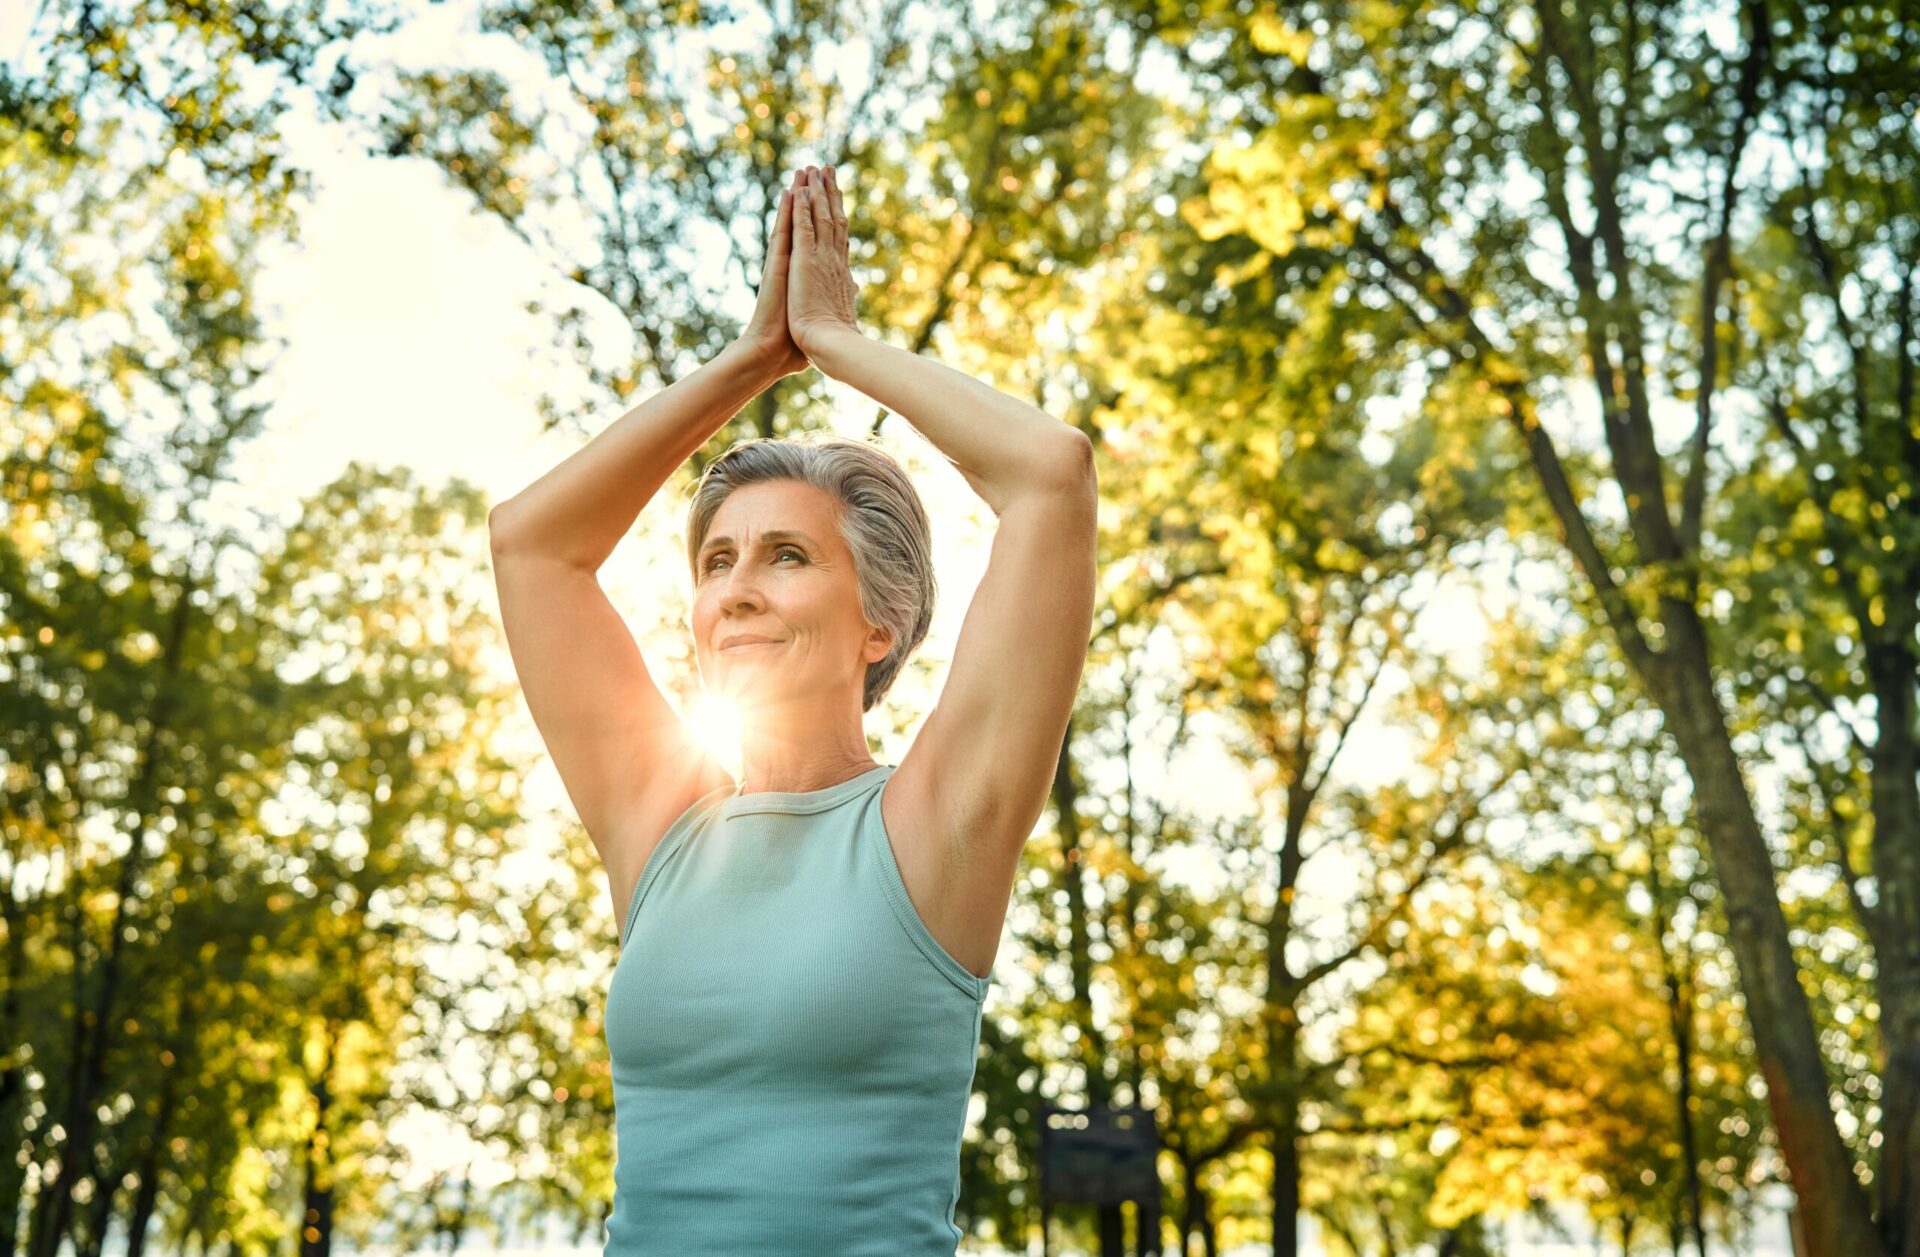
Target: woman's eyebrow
pixel 770 536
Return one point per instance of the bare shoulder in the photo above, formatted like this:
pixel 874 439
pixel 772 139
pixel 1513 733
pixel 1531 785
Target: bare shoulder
pixel 959 888
pixel 690 776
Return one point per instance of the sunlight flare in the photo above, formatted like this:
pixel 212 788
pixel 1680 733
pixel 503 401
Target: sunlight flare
pixel 716 724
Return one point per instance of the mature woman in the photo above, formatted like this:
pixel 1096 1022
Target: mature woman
pixel 805 953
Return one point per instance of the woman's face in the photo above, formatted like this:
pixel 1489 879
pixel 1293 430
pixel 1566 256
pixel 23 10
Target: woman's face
pixel 773 565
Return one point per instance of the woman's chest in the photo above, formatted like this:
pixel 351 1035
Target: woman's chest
pixel 773 962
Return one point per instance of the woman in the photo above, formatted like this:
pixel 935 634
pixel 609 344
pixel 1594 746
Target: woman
pixel 805 953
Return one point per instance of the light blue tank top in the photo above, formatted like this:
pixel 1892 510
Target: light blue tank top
pixel 792 1050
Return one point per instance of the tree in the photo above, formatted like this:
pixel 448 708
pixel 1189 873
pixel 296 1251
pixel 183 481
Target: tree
pixel 1482 169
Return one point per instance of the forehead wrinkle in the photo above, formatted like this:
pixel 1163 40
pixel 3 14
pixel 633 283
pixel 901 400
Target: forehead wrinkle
pixel 771 536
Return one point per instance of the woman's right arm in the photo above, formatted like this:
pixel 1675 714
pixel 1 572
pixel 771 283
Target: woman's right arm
pixel 623 754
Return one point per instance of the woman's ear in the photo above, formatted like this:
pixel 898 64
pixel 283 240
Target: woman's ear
pixel 879 642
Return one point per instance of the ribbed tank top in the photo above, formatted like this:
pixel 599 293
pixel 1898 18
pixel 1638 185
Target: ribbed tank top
pixel 792 1049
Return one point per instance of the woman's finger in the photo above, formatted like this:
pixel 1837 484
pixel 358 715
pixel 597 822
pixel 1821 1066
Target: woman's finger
pixel 838 208
pixel 780 217
pixel 803 212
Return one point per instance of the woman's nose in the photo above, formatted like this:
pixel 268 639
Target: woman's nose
pixel 738 583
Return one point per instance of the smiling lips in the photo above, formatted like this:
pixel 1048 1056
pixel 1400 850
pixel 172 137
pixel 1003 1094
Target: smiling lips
pixel 746 639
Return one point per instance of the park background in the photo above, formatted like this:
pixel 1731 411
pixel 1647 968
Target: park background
pixel 1378 837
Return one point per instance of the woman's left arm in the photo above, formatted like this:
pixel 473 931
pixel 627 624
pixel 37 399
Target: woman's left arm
pixel 981 768
pixel 1004 447
pixel 978 774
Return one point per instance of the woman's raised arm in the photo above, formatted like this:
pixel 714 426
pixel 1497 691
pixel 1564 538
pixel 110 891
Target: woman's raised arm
pixel 1003 446
pixel 967 793
pixel 625 757
pixel 578 511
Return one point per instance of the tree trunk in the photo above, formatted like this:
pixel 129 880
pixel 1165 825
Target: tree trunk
pixel 144 1200
pixel 463 1218
pixel 1680 679
pixel 1679 983
pixel 1066 794
pixel 1820 1166
pixel 1281 1109
pixel 1389 1242
pixel 316 1217
pixel 195 1231
pixel 99 1217
pixel 88 1074
pixel 149 1169
pixel 13 1067
pixel 1191 1208
pixel 1895 775
pixel 1284 1138
pixel 1147 1240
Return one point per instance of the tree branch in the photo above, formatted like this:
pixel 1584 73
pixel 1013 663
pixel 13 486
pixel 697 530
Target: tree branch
pixel 1826 700
pixel 1832 527
pixel 1719 267
pixel 1443 848
pixel 1830 277
pixel 1636 456
pixel 1843 858
pixel 1513 403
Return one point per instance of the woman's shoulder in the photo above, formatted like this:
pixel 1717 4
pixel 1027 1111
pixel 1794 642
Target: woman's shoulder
pixel 658 806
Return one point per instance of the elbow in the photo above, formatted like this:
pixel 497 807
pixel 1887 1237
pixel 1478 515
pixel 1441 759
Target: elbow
pixel 1055 469
pixel 510 534
pixel 1069 475
pixel 1075 462
pixel 500 526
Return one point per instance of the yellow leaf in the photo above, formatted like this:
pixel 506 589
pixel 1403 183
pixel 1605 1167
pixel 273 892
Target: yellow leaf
pixel 1270 34
pixel 1254 191
pixel 1263 445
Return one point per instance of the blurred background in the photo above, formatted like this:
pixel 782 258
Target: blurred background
pixel 1490 821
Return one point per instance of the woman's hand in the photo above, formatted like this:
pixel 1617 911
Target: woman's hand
pixel 820 287
pixel 766 336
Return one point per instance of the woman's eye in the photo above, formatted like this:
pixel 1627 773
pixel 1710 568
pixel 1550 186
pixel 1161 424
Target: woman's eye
pixel 717 561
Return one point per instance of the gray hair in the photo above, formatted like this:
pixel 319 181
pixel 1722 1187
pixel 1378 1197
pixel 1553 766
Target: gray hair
pixel 881 519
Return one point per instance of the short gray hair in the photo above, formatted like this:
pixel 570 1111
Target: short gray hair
pixel 881 519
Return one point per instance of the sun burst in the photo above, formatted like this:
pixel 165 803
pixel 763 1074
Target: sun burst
pixel 715 722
